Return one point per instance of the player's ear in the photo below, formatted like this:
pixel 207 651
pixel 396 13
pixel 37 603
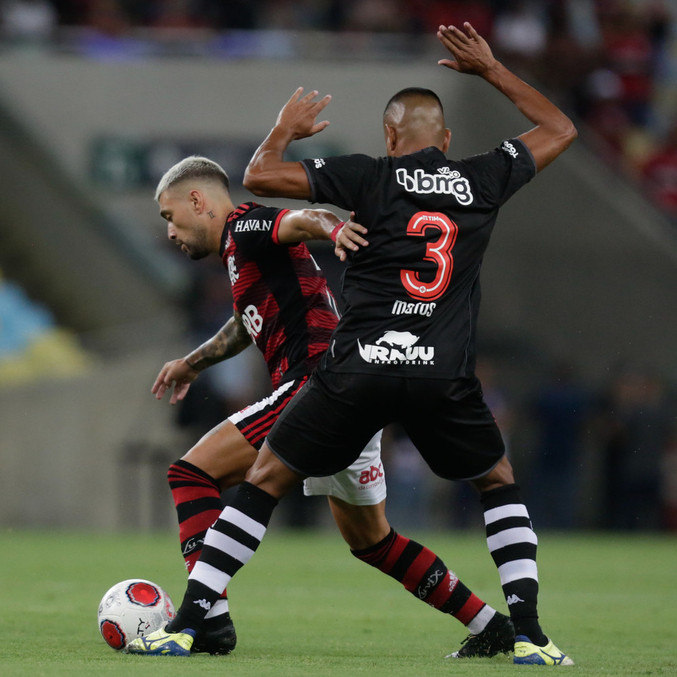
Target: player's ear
pixel 197 200
pixel 391 138
pixel 446 141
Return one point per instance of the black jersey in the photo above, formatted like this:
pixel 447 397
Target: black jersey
pixel 411 298
pixel 279 291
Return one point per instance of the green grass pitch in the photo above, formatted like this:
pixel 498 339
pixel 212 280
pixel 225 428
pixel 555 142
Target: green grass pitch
pixel 304 606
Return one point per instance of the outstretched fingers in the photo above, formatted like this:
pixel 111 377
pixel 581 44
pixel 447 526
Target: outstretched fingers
pixel 453 37
pixel 319 127
pixel 180 390
pixel 471 31
pixel 296 95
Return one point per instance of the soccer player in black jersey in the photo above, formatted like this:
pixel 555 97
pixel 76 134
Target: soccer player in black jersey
pixel 281 304
pixel 404 349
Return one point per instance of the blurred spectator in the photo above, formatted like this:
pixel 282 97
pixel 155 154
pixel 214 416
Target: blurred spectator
pixel 560 408
pixel 178 14
pixel 234 14
pixel 612 125
pixel 377 16
pixel 572 49
pixel 27 20
pixel 293 14
pixel 425 16
pixel 634 433
pixel 107 17
pixel 660 174
pixel 582 23
pixel 520 34
pixel 107 33
pixel 629 54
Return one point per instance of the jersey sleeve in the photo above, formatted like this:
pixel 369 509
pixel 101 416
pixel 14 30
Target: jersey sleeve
pixel 500 173
pixel 341 180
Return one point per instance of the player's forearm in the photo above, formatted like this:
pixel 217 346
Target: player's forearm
pixel 531 103
pixel 230 340
pixel 268 175
pixel 311 224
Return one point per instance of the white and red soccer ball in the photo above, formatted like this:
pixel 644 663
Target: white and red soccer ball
pixel 131 609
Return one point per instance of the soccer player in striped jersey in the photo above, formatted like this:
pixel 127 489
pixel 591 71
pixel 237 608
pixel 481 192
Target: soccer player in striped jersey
pixel 283 305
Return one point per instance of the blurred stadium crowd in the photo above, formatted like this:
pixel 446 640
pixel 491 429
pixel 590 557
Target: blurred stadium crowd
pixel 613 64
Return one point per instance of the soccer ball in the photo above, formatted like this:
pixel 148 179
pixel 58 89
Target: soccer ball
pixel 131 609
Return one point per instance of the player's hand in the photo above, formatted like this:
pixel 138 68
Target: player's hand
pixel 298 115
pixel 176 374
pixel 470 50
pixel 349 238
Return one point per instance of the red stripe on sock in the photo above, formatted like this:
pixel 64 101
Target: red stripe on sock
pixel 417 569
pixel 193 493
pixel 442 592
pixel 198 523
pixel 469 610
pixel 178 474
pixel 399 544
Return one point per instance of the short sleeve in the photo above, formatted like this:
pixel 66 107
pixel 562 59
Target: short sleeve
pixel 500 173
pixel 341 180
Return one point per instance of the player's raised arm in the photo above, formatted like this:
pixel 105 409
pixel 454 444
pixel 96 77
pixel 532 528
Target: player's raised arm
pixel 230 340
pixel 268 174
pixel 554 131
pixel 319 224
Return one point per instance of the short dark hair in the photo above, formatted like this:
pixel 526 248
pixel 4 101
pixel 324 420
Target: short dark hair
pixel 410 92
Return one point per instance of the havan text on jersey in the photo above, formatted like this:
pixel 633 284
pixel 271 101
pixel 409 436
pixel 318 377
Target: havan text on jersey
pixel 250 225
pixel 445 182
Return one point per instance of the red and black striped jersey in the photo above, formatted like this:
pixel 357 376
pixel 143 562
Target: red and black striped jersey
pixel 279 291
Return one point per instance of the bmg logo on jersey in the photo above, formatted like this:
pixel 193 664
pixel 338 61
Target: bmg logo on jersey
pixel 446 182
pixel 397 347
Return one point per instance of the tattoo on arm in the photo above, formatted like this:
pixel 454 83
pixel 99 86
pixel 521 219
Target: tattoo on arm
pixel 230 340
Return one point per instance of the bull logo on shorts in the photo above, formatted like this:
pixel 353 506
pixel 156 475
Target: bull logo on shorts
pixel 396 347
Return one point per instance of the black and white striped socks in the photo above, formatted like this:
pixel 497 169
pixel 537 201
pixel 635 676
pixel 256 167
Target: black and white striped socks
pixel 512 543
pixel 228 546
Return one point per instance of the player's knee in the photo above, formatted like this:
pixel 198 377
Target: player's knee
pixel 362 526
pixel 271 475
pixel 499 476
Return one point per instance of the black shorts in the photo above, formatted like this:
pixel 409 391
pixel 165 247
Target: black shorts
pixel 328 423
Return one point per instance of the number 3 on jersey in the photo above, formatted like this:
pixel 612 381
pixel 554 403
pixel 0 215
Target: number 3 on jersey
pixel 438 251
